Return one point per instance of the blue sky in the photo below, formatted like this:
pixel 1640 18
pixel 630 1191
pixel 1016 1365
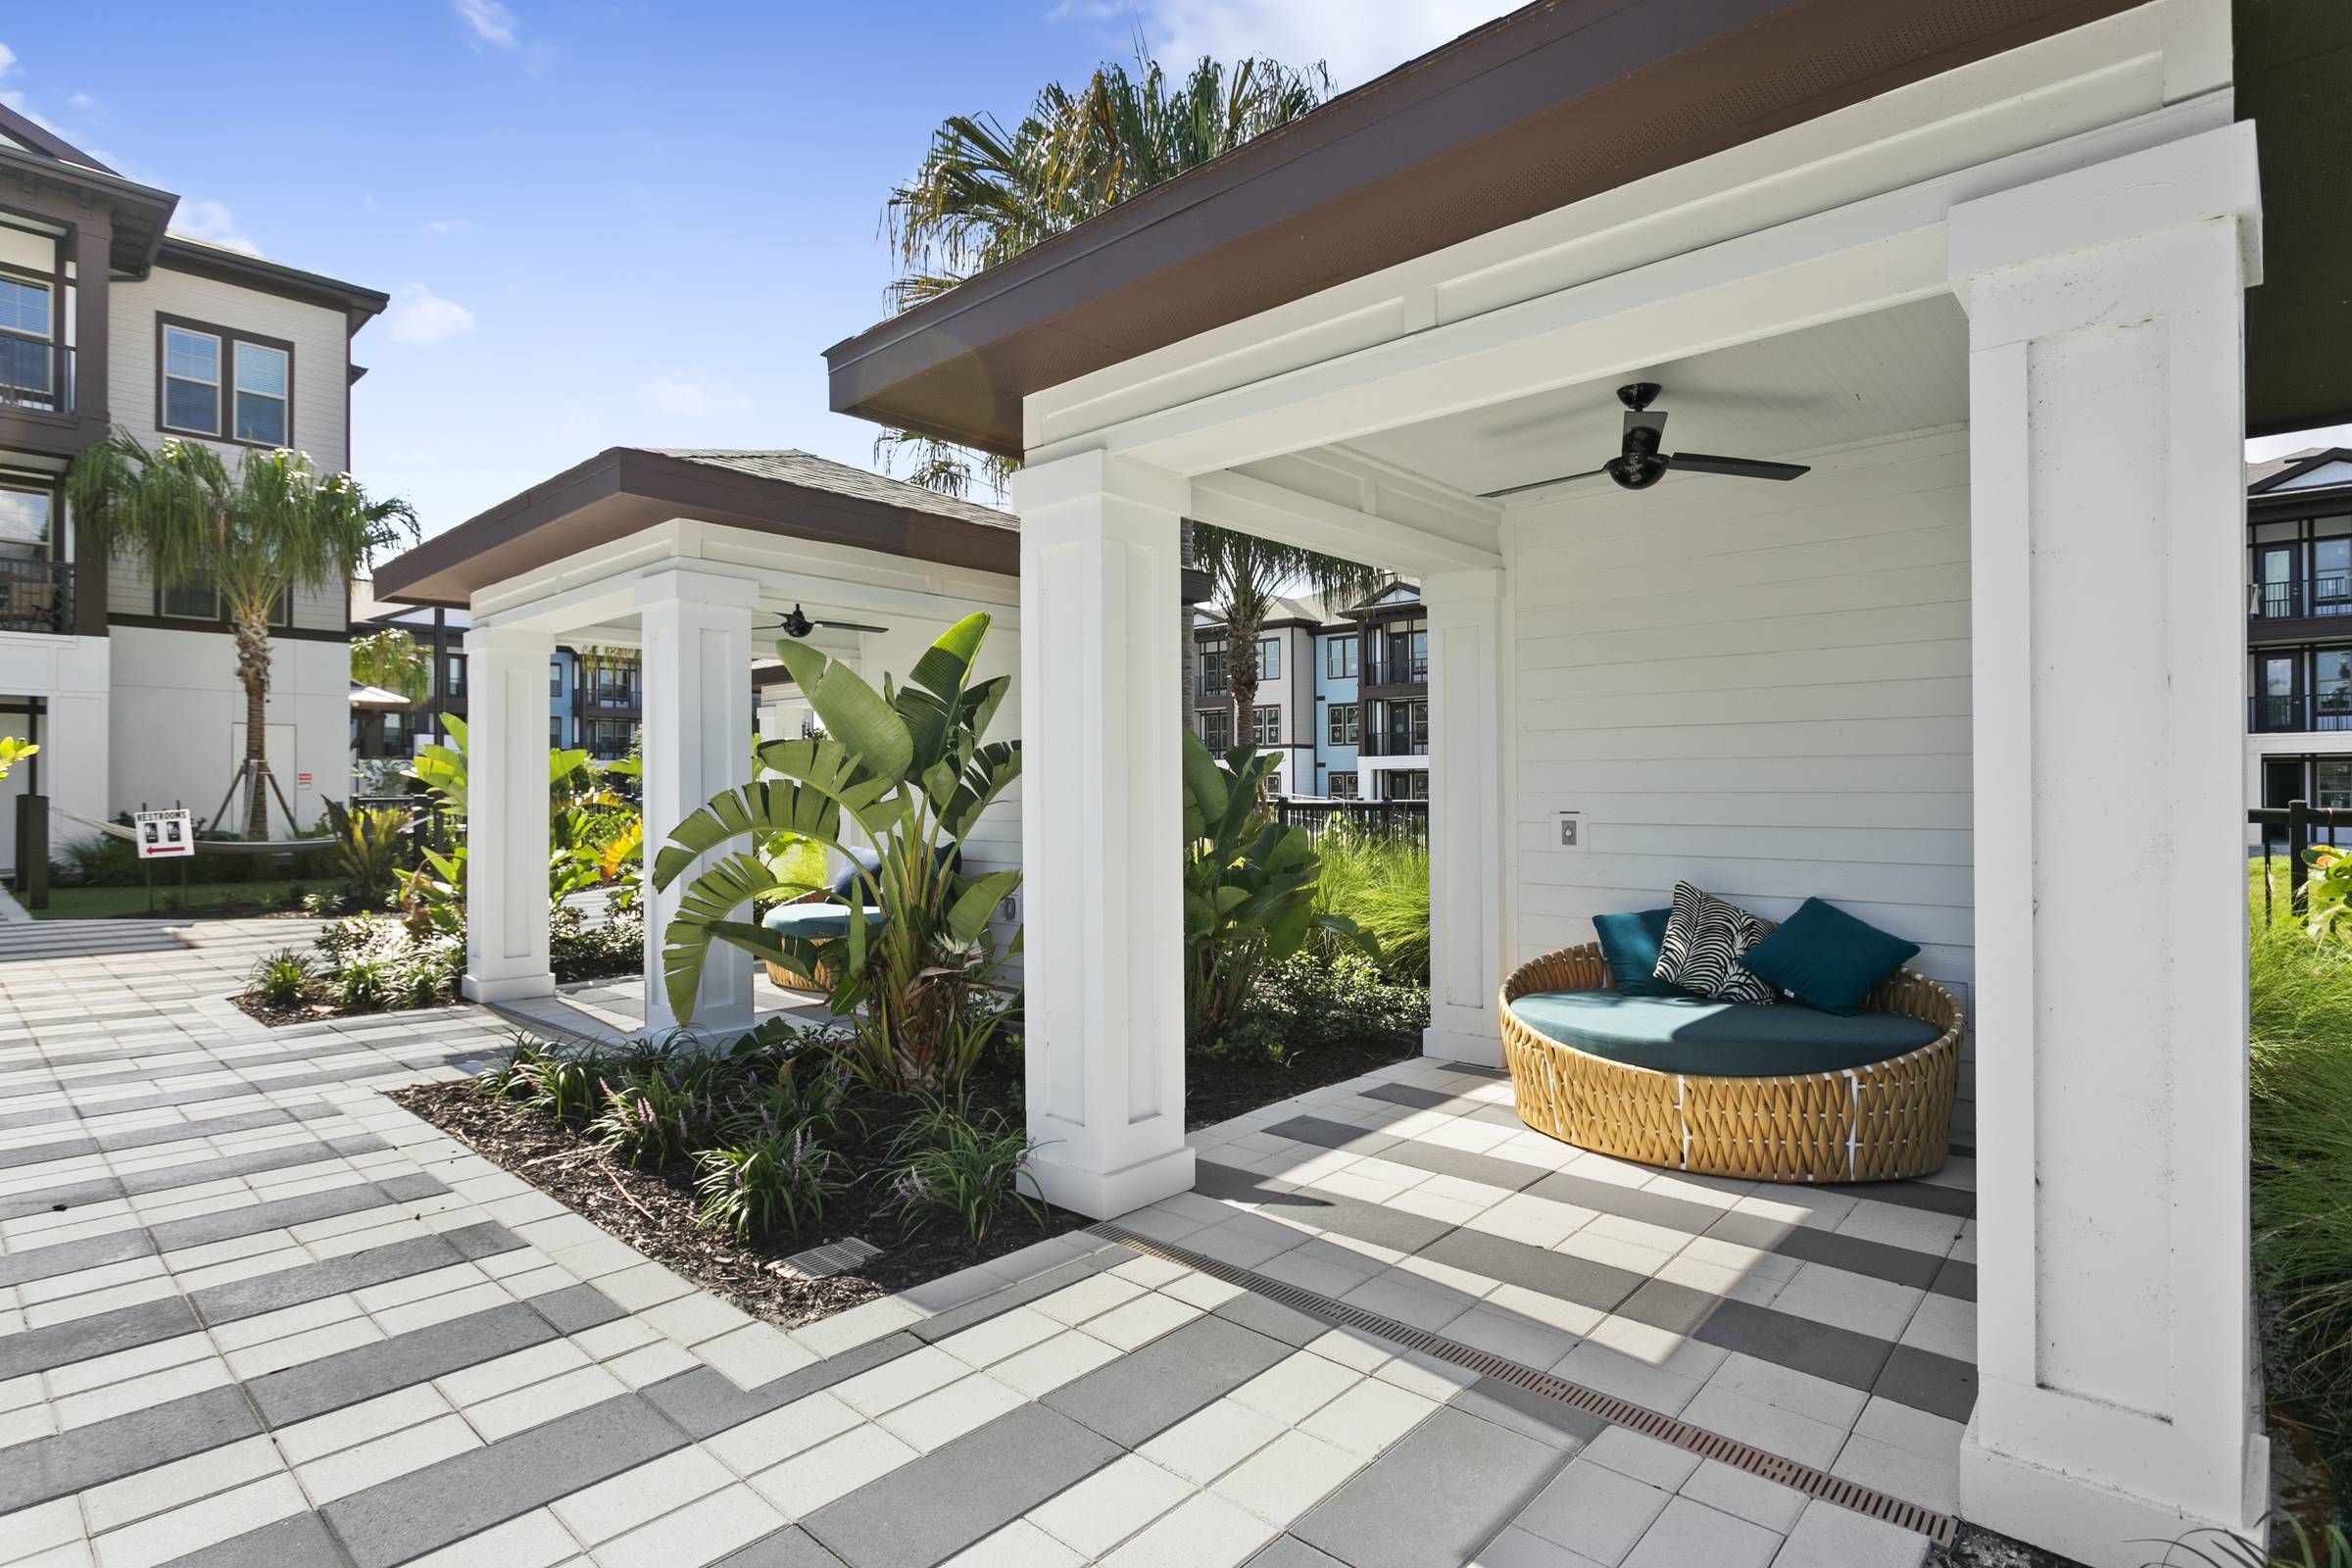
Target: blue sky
pixel 633 222
pixel 602 224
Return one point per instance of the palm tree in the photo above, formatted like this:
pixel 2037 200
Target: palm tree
pixel 1246 573
pixel 392 660
pixel 274 527
pixel 984 194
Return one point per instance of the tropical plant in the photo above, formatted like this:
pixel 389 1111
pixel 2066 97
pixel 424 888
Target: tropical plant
pixel 362 985
pixel 910 767
pixel 770 1181
pixel 281 979
pixel 14 749
pixel 432 896
pixel 369 844
pixel 1380 882
pixel 651 1117
pixel 393 660
pixel 948 1163
pixel 565 1084
pixel 1246 573
pixel 1249 885
pixel 2331 1548
pixel 2328 893
pixel 986 193
pixel 275 528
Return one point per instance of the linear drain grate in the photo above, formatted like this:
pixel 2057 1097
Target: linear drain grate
pixel 823 1262
pixel 1937 1527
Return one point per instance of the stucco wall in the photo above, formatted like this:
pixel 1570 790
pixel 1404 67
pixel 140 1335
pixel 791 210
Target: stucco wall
pixel 177 720
pixel 1760 688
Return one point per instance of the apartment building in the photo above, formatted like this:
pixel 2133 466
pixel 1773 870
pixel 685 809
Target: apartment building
pixel 2299 629
pixel 595 695
pixel 1343 694
pixel 108 319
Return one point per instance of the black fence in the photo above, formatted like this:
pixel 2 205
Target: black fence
pixel 2288 833
pixel 1393 818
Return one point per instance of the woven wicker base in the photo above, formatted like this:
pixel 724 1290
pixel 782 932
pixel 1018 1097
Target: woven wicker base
pixel 784 978
pixel 1882 1122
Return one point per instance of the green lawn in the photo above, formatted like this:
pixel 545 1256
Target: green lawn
pixel 198 898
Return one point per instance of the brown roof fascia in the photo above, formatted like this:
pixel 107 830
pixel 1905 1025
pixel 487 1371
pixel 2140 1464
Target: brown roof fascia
pixel 622 491
pixel 1558 102
pixel 223 266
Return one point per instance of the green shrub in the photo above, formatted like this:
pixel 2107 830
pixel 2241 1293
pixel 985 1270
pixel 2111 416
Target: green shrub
pixel 650 1119
pixel 361 985
pixel 948 1164
pixel 281 979
pixel 566 1085
pixel 770 1183
pixel 1380 882
pixel 375 961
pixel 1308 1000
pixel 2291 1546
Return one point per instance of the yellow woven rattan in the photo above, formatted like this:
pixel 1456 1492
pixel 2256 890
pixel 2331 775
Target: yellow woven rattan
pixel 1881 1122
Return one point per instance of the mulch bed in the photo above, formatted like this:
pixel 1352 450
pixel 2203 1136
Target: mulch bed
pixel 654 1213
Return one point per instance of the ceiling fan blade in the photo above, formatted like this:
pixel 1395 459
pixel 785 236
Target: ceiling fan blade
pixel 1736 467
pixel 847 625
pixel 1513 490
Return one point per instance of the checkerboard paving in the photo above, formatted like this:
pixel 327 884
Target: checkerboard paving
pixel 251 1312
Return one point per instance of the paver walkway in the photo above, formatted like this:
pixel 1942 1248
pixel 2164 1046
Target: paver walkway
pixel 251 1312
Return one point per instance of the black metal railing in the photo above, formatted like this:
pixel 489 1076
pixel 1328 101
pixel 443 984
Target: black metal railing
pixel 1212 686
pixel 1397 668
pixel 35 375
pixel 2289 833
pixel 36 594
pixel 1397 818
pixel 1386 742
pixel 2303 714
pixel 2327 594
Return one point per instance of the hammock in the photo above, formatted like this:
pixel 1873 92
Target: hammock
pixel 115 830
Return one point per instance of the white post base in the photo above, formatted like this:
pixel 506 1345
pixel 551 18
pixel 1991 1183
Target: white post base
pixel 1475 1048
pixel 507 988
pixel 2092 1524
pixel 1109 1193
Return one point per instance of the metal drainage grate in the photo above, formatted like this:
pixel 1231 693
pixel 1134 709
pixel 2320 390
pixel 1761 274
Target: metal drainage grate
pixel 823 1262
pixel 1937 1527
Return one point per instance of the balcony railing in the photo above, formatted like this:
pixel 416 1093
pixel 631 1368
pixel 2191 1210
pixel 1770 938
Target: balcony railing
pixel 1398 668
pixel 1392 743
pixel 35 375
pixel 36 594
pixel 2328 594
pixel 2302 714
pixel 1207 686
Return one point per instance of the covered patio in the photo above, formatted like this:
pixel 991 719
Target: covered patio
pixel 1987 288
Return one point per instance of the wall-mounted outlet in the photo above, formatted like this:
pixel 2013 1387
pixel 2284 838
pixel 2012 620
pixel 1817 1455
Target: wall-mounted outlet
pixel 1572 830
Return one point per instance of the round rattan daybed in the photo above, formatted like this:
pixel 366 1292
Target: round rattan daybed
pixel 1874 1120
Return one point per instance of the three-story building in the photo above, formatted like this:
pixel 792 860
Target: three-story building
pixel 2299 629
pixel 109 319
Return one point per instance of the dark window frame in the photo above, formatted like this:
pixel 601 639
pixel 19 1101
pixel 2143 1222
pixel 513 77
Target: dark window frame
pixel 281 613
pixel 224 391
pixel 54 486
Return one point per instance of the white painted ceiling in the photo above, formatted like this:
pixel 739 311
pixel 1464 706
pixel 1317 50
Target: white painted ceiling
pixel 1852 381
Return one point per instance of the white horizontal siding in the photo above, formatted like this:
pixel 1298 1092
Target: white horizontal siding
pixel 322 358
pixel 1760 688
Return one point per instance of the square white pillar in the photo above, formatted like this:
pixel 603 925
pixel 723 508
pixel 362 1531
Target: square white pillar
pixel 2118 1383
pixel 697 634
pixel 1468 643
pixel 507 839
pixel 1102 831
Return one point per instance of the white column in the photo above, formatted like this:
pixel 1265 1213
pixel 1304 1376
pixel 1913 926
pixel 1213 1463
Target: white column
pixel 697 630
pixel 507 815
pixel 1468 643
pixel 1102 830
pixel 2118 1381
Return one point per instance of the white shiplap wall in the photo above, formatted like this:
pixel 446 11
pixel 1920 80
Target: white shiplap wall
pixel 322 352
pixel 1760 688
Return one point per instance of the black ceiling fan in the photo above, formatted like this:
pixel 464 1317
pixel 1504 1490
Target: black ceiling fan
pixel 798 624
pixel 1641 465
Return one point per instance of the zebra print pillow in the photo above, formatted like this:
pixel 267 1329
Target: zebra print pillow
pixel 1704 939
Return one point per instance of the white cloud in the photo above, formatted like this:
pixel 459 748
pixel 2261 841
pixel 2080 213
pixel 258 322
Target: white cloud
pixel 491 21
pixel 421 318
pixel 207 220
pixel 690 400
pixel 450 225
pixel 80 100
pixel 1357 39
pixel 8 60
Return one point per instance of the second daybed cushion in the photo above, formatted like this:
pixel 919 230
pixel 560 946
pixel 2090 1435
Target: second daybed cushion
pixel 1718 1039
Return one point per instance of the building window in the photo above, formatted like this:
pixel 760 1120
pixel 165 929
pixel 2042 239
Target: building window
pixel 1213 666
pixel 192 381
pixel 1216 729
pixel 1265 726
pixel 191 601
pixel 26 514
pixel 555 675
pixel 555 731
pixel 1346 723
pixel 27 324
pixel 1342 787
pixel 261 394
pixel 1407 784
pixel 1269 658
pixel 609 738
pixel 2332 689
pixel 226 384
pixel 1338 657
pixel 457 675
pixel 2335 784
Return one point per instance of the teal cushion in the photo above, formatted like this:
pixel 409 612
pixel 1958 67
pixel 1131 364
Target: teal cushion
pixel 1826 959
pixel 1629 946
pixel 814 922
pixel 1718 1039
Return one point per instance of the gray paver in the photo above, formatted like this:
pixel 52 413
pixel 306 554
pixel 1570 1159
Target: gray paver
pixel 1432 1500
pixel 788 1548
pixel 99 1334
pixel 1147 1390
pixel 331 1382
pixel 90 1455
pixel 1830 1537
pixel 300 1542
